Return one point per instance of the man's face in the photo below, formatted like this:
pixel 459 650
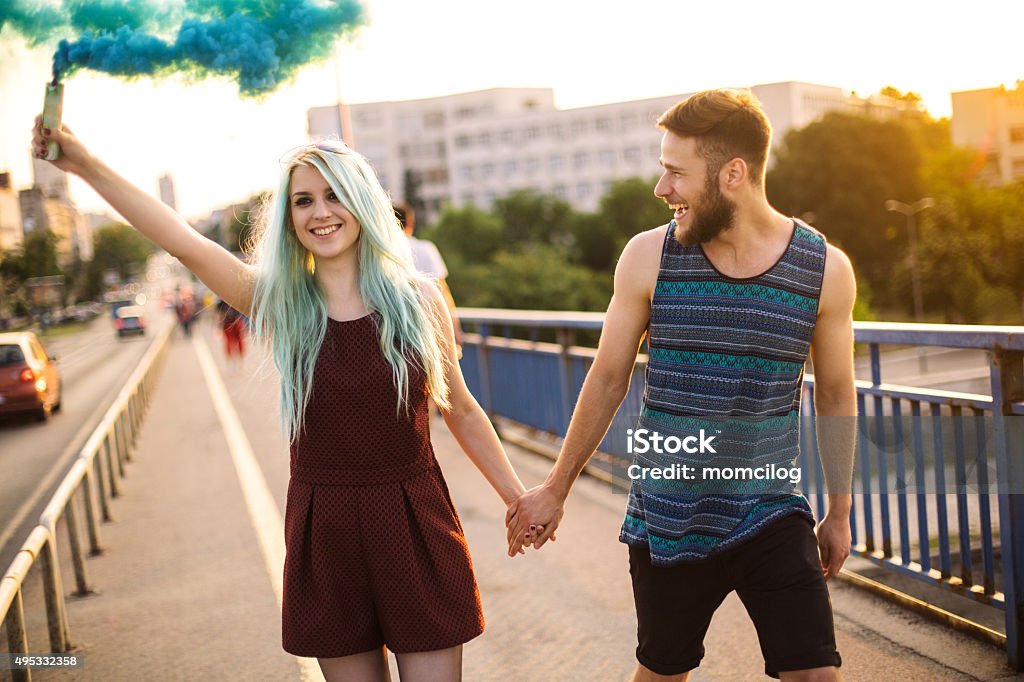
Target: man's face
pixel 686 185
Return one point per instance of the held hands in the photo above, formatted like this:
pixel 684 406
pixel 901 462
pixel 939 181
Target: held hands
pixel 74 157
pixel 533 519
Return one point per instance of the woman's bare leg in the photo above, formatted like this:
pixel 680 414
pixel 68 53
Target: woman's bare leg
pixel 444 665
pixel 369 666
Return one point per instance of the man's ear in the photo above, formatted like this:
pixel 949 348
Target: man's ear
pixel 734 173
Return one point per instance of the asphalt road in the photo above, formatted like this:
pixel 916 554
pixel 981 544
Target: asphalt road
pixel 34 455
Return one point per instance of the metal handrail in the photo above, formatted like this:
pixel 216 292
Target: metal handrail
pixel 97 477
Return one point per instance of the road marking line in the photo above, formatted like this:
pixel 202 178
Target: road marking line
pixel 263 512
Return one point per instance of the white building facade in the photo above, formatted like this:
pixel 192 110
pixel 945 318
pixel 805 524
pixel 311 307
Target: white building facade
pixel 473 148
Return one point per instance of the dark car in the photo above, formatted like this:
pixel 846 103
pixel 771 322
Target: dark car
pixel 130 319
pixel 29 378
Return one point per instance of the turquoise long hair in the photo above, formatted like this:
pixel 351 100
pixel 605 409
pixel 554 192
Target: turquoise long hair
pixel 289 307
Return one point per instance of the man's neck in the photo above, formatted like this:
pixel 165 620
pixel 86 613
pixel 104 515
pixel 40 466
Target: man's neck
pixel 758 238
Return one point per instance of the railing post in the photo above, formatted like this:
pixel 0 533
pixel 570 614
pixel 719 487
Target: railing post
pixel 92 523
pixel 1007 373
pixel 17 640
pixel 101 484
pixel 566 338
pixel 484 363
pixel 75 543
pixel 113 467
pixel 53 590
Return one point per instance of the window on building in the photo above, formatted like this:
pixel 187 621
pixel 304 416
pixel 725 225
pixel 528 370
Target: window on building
pixel 578 127
pixel 556 163
pixel 654 151
pixel 433 119
pixel 603 124
pixel 484 139
pixel 531 133
pixel 462 141
pixel 560 191
pixel 629 120
pixel 466 172
pixel 606 157
pixel 581 159
pixel 486 169
pixel 465 112
pixel 409 122
pixel 606 186
pixel 511 166
pixel 584 190
pixel 631 154
pixel 556 131
pixel 1016 134
pixel 506 136
pixel 532 165
pixel 1017 169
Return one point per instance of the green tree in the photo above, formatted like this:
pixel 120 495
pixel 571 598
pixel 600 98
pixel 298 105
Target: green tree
pixel 121 248
pixel 627 208
pixel 537 277
pixel 40 254
pixel 840 171
pixel 529 217
pixel 466 235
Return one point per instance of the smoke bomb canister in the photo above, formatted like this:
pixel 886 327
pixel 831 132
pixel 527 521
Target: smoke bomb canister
pixel 53 107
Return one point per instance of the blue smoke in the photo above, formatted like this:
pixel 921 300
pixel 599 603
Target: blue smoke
pixel 259 43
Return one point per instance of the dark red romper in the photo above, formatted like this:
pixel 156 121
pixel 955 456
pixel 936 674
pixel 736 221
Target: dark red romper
pixel 375 550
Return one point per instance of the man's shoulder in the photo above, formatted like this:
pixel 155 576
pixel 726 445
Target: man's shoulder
pixel 640 261
pixel 646 245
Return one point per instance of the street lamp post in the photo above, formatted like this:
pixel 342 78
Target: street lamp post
pixel 911 211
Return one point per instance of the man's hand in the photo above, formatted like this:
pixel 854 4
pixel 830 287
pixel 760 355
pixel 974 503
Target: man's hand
pixel 834 538
pixel 533 518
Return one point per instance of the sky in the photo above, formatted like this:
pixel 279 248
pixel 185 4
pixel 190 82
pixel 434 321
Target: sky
pixel 221 148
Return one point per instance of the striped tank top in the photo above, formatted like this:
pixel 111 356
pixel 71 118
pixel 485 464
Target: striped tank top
pixel 724 377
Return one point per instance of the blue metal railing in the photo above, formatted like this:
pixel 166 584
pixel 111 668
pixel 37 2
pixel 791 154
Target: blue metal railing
pixel 949 536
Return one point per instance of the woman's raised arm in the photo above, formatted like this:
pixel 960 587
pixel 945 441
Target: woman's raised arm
pixel 229 278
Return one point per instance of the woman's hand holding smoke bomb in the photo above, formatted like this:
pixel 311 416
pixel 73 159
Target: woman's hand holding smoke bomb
pixel 74 157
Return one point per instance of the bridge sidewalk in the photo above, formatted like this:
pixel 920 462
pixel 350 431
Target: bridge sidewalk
pixel 186 594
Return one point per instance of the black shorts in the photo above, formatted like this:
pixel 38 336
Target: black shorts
pixel 776 574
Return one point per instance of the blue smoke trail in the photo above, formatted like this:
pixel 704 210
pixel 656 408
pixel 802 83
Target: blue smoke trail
pixel 259 43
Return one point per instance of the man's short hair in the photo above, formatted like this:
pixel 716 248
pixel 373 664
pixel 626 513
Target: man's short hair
pixel 404 213
pixel 726 124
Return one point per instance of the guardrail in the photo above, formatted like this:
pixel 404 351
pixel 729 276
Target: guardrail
pixel 94 477
pixel 943 536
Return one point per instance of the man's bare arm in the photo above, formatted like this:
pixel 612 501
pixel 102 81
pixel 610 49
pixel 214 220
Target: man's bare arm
pixel 835 405
pixel 603 390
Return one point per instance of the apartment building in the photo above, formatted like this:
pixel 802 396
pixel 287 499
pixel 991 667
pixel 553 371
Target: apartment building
pixel 991 120
pixel 472 148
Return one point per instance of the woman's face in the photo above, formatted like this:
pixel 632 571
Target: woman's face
pixel 321 223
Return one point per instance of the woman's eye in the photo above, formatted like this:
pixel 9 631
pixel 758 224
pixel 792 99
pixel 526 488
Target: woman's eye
pixel 332 196
pixel 302 201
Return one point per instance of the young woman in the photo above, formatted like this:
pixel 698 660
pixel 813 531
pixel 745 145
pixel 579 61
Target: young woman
pixel 376 556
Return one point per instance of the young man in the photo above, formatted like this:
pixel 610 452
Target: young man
pixel 733 296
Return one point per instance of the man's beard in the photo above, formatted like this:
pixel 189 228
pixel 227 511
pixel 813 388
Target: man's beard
pixel 712 215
